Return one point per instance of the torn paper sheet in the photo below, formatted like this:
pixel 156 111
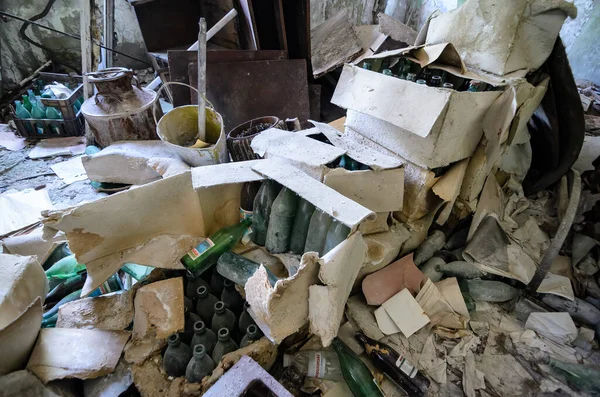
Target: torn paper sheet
pixel 448 188
pixel 70 171
pixel 439 309
pixel 22 281
pixel 431 363
pixel 21 209
pixel 338 270
pixel 404 310
pixel 159 309
pixel 19 336
pixel 490 202
pixel 70 146
pixel 473 379
pixel 557 285
pixel 380 286
pixel 557 326
pixel 9 140
pixel 282 309
pixel 40 243
pixel 76 353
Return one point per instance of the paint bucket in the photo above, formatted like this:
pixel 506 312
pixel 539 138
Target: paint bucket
pixel 180 127
pixel 239 140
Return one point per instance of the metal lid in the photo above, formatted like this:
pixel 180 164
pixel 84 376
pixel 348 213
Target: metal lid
pixel 108 74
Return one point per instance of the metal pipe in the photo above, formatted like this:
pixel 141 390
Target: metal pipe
pixel 2 13
pixel 202 37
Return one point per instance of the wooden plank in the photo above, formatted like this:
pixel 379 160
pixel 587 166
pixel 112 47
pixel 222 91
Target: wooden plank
pixel 179 62
pixel 241 91
pixel 269 24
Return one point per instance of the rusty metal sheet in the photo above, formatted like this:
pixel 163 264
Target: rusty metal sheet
pixel 241 91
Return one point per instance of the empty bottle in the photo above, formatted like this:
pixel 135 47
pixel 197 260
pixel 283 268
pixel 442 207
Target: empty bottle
pixel 239 269
pixel 436 81
pixel 26 103
pixel 191 289
pixel 476 86
pixel 488 290
pixel 247 196
pixel 53 113
pixel 356 374
pixel 387 72
pixel 200 365
pixel 224 345
pixel 281 221
pixel 65 268
pixel 245 319
pixel 336 234
pixel 411 77
pixel 367 66
pixel 583 377
pixel 223 318
pixel 217 282
pixel 232 299
pixel 204 336
pixel 317 232
pixel 188 304
pixel 252 334
pixel 421 82
pixel 448 85
pixel 199 259
pixel 188 331
pixel 460 269
pixel 65 287
pixel 205 305
pixel 315 364
pixel 402 372
pixel 73 296
pixel 262 210
pixel 21 112
pixel 300 228
pixel 177 356
pixel 38 113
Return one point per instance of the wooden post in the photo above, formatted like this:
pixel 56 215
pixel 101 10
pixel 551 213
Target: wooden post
pixel 109 31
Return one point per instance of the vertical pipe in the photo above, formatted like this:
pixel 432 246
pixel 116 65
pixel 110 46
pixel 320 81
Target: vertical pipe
pixel 202 80
pixel 109 31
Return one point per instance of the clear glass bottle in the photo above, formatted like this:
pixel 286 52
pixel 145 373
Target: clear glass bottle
pixel 200 365
pixel 177 356
pixel 281 221
pixel 301 224
pixel 315 364
pixel 317 232
pixel 336 234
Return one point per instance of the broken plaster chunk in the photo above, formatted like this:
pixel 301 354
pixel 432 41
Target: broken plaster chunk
pixel 339 268
pixel 159 309
pixel 139 350
pixel 380 286
pixel 110 312
pixel 76 353
pixel 109 385
pixel 282 309
pixel 404 310
pixel 360 314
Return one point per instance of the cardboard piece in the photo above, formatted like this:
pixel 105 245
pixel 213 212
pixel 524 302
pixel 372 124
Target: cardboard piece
pixel 70 171
pixel 21 209
pixel 22 281
pixel 555 326
pixel 528 31
pixel 171 205
pixel 283 309
pixel 70 146
pixel 338 271
pixel 110 312
pixel 448 188
pixel 40 243
pixel 159 309
pixel 19 336
pixel 76 353
pixel 431 127
pixel 491 202
pixel 406 312
pixel 439 310
pixel 385 322
pixel 371 38
pixel 380 286
pixel 382 249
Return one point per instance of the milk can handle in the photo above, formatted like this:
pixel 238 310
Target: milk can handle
pixel 174 83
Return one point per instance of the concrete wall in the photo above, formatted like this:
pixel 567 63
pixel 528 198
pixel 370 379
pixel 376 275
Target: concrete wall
pixel 582 40
pixel 360 12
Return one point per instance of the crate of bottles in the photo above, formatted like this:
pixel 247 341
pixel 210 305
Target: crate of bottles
pixel 47 116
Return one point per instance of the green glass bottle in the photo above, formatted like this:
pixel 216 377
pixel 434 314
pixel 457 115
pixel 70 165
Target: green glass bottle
pixel 224 345
pixel 200 365
pixel 53 114
pixel 208 252
pixel 38 113
pixel 26 103
pixel 65 287
pixel 336 234
pixel 252 334
pixel 356 374
pixel 239 269
pixel 300 229
pixel 583 377
pixel 317 232
pixel 281 221
pixel 488 290
pixel 65 268
pixel 204 336
pixel 21 111
pixel 262 210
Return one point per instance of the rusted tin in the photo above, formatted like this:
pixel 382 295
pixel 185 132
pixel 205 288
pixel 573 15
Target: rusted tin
pixel 120 111
pixel 239 138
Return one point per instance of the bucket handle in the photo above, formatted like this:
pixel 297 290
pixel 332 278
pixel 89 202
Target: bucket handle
pixel 174 83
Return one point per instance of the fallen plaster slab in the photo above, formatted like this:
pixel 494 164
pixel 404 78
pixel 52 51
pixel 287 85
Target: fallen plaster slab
pixel 22 281
pixel 19 209
pixel 139 350
pixel 111 312
pixel 24 383
pixel 360 314
pixel 338 271
pixel 159 309
pixel 18 338
pixel 39 243
pixel 444 304
pixel 76 353
pixel 282 309
pixel 110 385
pixel 419 199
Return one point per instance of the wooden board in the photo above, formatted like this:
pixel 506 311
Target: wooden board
pixel 241 91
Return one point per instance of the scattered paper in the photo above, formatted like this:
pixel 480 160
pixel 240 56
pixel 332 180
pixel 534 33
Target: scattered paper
pixel 385 322
pixel 70 171
pixel 437 304
pixel 557 285
pixel 70 146
pixel 10 141
pixel 20 209
pixel 558 327
pixel 406 312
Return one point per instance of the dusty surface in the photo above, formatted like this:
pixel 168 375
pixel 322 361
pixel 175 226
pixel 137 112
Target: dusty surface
pixel 112 312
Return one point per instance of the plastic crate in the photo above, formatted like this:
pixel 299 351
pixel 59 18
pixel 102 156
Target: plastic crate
pixel 71 125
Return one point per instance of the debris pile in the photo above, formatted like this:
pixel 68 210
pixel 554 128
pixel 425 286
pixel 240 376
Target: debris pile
pixel 401 250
